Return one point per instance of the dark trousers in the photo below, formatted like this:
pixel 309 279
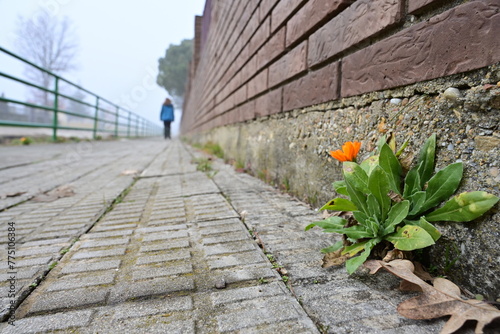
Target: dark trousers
pixel 167 129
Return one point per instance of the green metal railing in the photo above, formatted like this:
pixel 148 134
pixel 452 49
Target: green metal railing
pixel 104 116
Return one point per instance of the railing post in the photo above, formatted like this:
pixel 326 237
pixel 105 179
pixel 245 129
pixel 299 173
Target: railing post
pixel 55 110
pixel 96 117
pixel 128 124
pixel 136 126
pixel 116 121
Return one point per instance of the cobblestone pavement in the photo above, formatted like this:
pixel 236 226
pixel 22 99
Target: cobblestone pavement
pixel 145 243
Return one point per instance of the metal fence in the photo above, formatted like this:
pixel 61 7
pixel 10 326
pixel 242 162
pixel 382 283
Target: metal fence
pixel 66 106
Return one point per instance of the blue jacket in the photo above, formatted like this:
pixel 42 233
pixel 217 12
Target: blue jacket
pixel 167 113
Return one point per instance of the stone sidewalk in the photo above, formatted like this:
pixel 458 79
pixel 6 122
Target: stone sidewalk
pixel 128 236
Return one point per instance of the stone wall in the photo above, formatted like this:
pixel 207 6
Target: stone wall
pixel 281 83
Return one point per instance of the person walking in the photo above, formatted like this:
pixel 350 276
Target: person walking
pixel 167 116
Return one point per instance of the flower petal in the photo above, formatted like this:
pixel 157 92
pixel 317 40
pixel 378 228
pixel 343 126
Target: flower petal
pixel 339 155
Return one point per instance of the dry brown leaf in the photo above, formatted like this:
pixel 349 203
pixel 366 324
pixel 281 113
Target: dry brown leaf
pixel 334 259
pixel 439 300
pixel 59 192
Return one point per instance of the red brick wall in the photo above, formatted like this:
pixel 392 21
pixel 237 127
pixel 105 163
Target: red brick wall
pixel 261 57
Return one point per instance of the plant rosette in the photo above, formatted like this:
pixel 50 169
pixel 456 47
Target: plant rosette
pixel 390 207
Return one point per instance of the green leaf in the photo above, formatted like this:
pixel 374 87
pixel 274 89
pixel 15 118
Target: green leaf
pixel 426 160
pixel 355 262
pixel 369 163
pixel 340 187
pixel 398 213
pixel 373 207
pixel 412 183
pixel 333 222
pixel 360 217
pixel 339 204
pixel 410 237
pixel 417 200
pixel 333 248
pixel 355 176
pixel 378 184
pixel 390 164
pixel 381 142
pixel 355 248
pixel 431 229
pixel 442 185
pixel 464 207
pixel 402 148
pixel 358 232
pixel 358 198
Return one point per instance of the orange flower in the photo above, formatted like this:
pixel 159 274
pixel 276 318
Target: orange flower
pixel 348 153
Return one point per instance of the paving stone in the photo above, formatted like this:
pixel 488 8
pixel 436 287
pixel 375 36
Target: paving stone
pixel 37 250
pixel 74 282
pixel 226 237
pixel 52 322
pixel 235 260
pixel 164 270
pixel 235 247
pixel 99 253
pixel 141 309
pixel 107 234
pixel 162 228
pixel 102 228
pixel 30 262
pixel 104 242
pixel 69 299
pixel 81 267
pixel 237 295
pixel 157 286
pixel 56 241
pixel 258 312
pixel 171 244
pixel 171 256
pixel 222 229
pixel 165 236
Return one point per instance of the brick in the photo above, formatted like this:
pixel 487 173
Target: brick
pixel 32 262
pixel 415 6
pixel 260 36
pixel 171 256
pixel 316 87
pixel 221 229
pixel 360 21
pixel 310 15
pixel 165 270
pixel 147 308
pixel 461 39
pixel 258 84
pixel 265 8
pixel 273 48
pixel 240 95
pixel 53 322
pixel 281 12
pixel 269 103
pixel 68 299
pixel 99 253
pixel 90 266
pixel 249 69
pixel 292 63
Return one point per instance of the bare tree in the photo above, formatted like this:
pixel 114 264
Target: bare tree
pixel 49 43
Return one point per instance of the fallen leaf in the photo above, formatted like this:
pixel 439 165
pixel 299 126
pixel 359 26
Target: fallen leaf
pixel 334 259
pixel 19 193
pixel 59 192
pixel 130 172
pixel 441 299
